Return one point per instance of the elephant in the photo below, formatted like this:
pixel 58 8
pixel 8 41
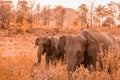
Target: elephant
pixel 84 47
pixel 48 46
pixel 61 46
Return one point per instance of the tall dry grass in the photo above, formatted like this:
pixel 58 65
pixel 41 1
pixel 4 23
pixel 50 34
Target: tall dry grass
pixel 20 67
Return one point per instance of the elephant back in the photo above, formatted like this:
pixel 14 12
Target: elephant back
pixel 104 39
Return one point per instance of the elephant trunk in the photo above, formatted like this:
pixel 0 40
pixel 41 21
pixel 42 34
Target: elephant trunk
pixel 71 63
pixel 71 67
pixel 40 51
pixel 69 75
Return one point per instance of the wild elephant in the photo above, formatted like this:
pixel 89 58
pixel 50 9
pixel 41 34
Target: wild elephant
pixel 84 48
pixel 61 46
pixel 48 46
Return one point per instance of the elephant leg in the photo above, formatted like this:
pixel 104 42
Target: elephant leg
pixel 63 60
pixel 84 63
pixel 91 64
pixel 92 57
pixel 47 59
pixel 109 69
pixel 54 61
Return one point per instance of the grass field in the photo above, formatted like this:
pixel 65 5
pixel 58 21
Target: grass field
pixel 17 57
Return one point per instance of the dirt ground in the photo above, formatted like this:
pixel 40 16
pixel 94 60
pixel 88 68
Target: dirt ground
pixel 23 43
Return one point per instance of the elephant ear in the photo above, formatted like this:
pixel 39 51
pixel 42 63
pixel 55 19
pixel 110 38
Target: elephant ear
pixel 92 48
pixel 63 37
pixel 90 39
pixel 62 40
pixel 52 43
pixel 37 42
pixel 47 43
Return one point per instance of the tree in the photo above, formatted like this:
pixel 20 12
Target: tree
pixel 108 22
pixel 112 11
pixel 23 11
pixel 100 13
pixel 59 15
pixel 30 18
pixel 5 11
pixel 91 12
pixel 118 17
pixel 45 15
pixel 83 10
pixel 36 16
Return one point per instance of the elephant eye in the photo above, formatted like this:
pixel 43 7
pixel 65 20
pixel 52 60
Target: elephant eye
pixel 44 45
pixel 64 51
pixel 78 53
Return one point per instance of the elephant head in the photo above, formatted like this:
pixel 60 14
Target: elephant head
pixel 74 51
pixel 44 45
pixel 48 46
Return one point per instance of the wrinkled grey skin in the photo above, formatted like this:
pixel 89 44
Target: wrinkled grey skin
pixel 48 46
pixel 84 48
pixel 61 46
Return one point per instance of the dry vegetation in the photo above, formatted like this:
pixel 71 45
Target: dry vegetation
pixel 21 26
pixel 17 57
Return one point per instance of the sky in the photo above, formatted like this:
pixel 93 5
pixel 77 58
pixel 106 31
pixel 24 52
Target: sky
pixel 70 3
